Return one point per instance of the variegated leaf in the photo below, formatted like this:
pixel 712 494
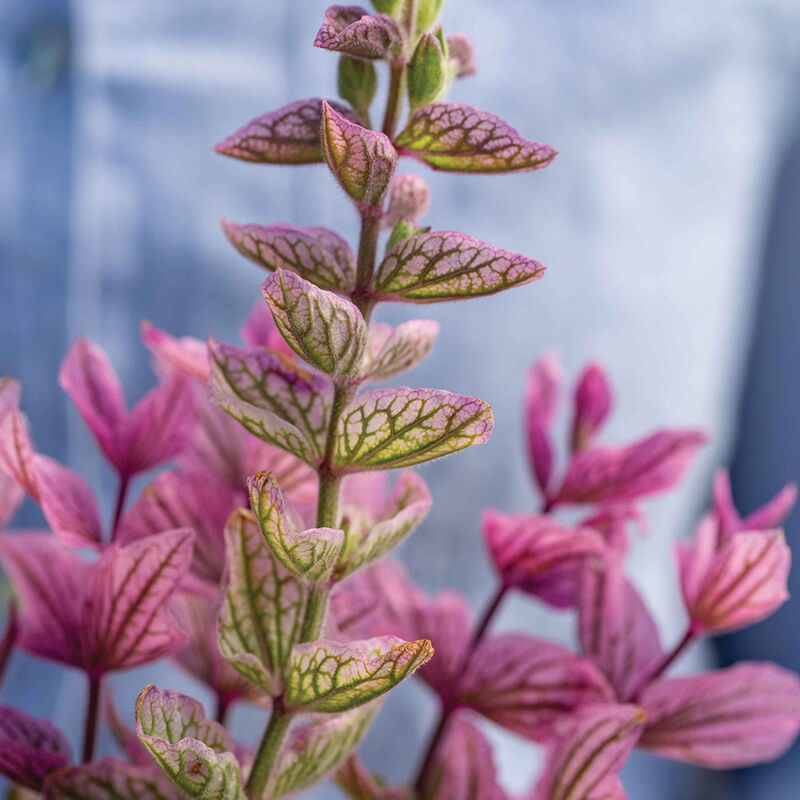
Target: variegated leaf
pixel 269 381
pixel 263 607
pixel 332 677
pixel 362 160
pixel 316 254
pixel 290 135
pixel 391 351
pixel 110 779
pixel 456 137
pixel 311 554
pixel 323 329
pixel 408 506
pixel 317 748
pixel 195 753
pixel 400 427
pixel 445 265
pixel 351 30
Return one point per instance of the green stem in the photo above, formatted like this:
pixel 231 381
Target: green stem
pixel 365 264
pixel 394 103
pixel 268 750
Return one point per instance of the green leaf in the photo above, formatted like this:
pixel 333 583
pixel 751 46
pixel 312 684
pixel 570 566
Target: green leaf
pixel 431 267
pixel 390 428
pixel 269 381
pixel 311 554
pixel 428 72
pixel 331 677
pixel 323 329
pixel 317 748
pixel 408 506
pixel 456 137
pixel 316 254
pixel 262 609
pixel 362 160
pixel 357 81
pixel 427 13
pixel 195 753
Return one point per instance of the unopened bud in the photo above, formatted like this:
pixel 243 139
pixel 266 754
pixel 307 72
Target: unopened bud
pixel 462 52
pixel 429 73
pixel 409 201
pixel 402 230
pixel 427 14
pixel 391 7
pixel 357 82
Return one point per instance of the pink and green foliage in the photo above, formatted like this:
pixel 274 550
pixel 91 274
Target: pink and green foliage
pixel 257 559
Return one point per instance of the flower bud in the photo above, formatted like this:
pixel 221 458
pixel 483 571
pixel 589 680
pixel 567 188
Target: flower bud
pixel 409 201
pixel 387 6
pixel 357 81
pixel 462 52
pixel 402 230
pixel 429 72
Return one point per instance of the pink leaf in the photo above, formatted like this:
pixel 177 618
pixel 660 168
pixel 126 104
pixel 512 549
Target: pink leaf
pixel 739 584
pixel 186 355
pixel 10 393
pixel 539 555
pixel 649 466
pixel 409 200
pixel 325 330
pixel 111 779
pixel 529 685
pixel 730 718
pixel 87 376
pixel 616 629
pixel 185 499
pixel 584 764
pixel 773 513
pixel 128 619
pixel 542 389
pixel 30 748
pixel 11 496
pixel 592 405
pixel 362 160
pixel 51 582
pixel 400 427
pixel 351 30
pixel 16 452
pixel 456 137
pixel 290 135
pixel 462 51
pixel 316 254
pixel 463 767
pixel 392 351
pixel 260 330
pixel 158 428
pixel 431 267
pixel 68 503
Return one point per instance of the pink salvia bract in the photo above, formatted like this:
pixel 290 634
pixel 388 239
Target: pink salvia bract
pixel 16 452
pixel 542 389
pixel 584 763
pixel 101 616
pixel 154 431
pixel 30 748
pixel 260 330
pixel 186 355
pixel 592 405
pixel 539 555
pixel 735 717
pixel 462 51
pixel 603 474
pixel 352 30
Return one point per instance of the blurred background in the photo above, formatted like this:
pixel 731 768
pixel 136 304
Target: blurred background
pixel 670 225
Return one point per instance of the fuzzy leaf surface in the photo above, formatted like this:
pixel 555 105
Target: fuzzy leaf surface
pixel 263 606
pixel 323 329
pixel 391 351
pixel 456 137
pixel 317 748
pixel 270 382
pixel 290 135
pixel 332 677
pixel 445 265
pixel 400 427
pixel 316 254
pixel 352 30
pixel 195 753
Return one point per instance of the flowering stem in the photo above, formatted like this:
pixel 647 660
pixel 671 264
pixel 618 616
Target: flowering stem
pixel 269 749
pixel 668 660
pixel 9 638
pixel 122 493
pixel 90 721
pixel 449 706
pixel 395 99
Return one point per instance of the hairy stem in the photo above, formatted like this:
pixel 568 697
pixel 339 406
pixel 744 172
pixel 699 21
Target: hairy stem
pixel 9 638
pixel 268 750
pixel 449 706
pixel 119 507
pixel 92 714
pixel 394 103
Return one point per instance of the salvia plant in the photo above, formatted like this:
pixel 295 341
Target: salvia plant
pixel 257 560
